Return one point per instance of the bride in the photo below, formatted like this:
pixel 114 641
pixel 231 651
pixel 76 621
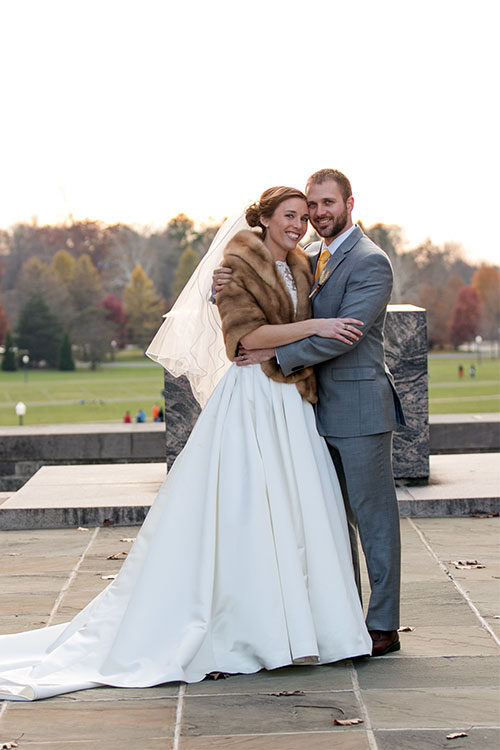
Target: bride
pixel 243 562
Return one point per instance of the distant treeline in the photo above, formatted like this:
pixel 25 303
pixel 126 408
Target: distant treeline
pixel 82 285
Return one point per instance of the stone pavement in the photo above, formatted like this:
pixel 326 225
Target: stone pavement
pixel 443 680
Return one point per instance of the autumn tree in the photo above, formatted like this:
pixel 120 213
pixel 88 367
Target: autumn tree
pixel 486 281
pixel 117 317
pixel 187 263
pixel 143 306
pixel 63 266
pixel 85 287
pixel 9 361
pixel 466 316
pixel 39 331
pixel 4 324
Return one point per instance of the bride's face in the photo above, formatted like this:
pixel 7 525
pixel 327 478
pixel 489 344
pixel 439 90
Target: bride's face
pixel 287 225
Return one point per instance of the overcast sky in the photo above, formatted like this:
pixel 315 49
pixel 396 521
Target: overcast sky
pixel 136 111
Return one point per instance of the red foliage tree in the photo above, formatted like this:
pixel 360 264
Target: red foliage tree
pixel 4 325
pixel 115 313
pixel 466 316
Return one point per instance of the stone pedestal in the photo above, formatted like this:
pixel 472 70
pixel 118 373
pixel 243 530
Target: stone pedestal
pixel 406 352
pixel 406 355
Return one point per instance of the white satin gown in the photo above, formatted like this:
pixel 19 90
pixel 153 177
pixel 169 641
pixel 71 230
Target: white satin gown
pixel 243 562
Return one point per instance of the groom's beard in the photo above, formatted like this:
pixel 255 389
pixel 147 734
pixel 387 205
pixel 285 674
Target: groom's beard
pixel 334 228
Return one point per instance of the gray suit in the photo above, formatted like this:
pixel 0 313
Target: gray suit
pixel 358 408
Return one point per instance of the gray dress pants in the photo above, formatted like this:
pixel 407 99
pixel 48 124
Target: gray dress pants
pixel 364 468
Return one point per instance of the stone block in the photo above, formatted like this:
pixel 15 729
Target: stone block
pixel 406 355
pixel 181 413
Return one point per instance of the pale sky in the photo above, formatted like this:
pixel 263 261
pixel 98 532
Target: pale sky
pixel 134 111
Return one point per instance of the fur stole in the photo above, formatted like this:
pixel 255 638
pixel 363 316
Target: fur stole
pixel 257 295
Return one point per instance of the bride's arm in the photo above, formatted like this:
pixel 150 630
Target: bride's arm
pixel 269 336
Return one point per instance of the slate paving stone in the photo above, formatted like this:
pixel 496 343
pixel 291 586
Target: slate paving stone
pixel 347 739
pixel 477 739
pixel 463 671
pixel 169 690
pixel 103 722
pixel 433 708
pixel 246 714
pixel 452 640
pixel 37 564
pixel 328 677
pixel 20 623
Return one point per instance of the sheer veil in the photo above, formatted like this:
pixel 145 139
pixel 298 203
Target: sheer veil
pixel 190 342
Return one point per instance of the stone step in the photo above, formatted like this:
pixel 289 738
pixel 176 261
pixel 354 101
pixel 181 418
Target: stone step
pixel 121 494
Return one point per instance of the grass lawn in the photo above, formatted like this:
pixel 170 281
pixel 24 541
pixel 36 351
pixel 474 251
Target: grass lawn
pixel 449 394
pixel 104 395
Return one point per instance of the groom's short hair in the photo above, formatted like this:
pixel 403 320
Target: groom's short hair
pixel 323 175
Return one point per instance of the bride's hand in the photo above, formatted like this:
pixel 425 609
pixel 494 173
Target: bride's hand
pixel 342 329
pixel 220 277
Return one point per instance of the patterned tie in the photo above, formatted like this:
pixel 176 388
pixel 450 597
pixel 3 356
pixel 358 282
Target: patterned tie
pixel 323 258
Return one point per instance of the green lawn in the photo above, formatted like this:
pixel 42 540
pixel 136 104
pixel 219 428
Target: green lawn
pixel 449 394
pixel 104 395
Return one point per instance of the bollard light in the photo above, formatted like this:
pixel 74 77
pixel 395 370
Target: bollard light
pixel 20 411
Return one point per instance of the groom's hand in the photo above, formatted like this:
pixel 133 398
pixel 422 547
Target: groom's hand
pixel 220 277
pixel 253 356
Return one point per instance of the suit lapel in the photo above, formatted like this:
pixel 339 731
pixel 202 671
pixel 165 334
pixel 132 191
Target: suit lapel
pixel 335 260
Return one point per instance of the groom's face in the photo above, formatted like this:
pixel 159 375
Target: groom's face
pixel 328 212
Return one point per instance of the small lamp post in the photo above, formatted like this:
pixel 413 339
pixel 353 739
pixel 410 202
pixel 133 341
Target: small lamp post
pixel 479 341
pixel 113 349
pixel 25 360
pixel 20 411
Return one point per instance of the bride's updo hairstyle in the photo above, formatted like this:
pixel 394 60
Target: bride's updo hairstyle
pixel 268 203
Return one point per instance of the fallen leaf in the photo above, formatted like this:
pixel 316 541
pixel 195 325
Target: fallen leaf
pixel 347 722
pixel 287 692
pixel 496 617
pixel 128 539
pixel 218 675
pixel 467 564
pixel 483 515
pixel 117 556
pixel 108 578
pixel 12 554
pixel 80 528
pixel 8 745
pixel 406 629
pixel 454 735
pixel 108 522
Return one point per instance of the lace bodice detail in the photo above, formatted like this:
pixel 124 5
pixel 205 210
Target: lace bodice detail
pixel 287 276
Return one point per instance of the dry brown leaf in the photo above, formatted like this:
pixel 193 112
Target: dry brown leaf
pixel 496 617
pixel 128 539
pixel 347 722
pixel 467 564
pixel 8 745
pixel 108 578
pixel 483 515
pixel 218 675
pixel 455 735
pixel 108 522
pixel 117 556
pixel 287 692
pixel 81 528
pixel 406 629
pixel 12 554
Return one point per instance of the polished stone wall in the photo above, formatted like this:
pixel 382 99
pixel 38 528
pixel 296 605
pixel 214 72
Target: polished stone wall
pixel 406 355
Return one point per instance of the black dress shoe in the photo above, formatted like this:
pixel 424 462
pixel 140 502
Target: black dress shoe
pixel 384 641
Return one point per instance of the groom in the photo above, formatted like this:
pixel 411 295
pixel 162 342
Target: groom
pixel 358 407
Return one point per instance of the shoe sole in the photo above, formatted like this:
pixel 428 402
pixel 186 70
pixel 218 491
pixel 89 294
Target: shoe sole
pixel 393 647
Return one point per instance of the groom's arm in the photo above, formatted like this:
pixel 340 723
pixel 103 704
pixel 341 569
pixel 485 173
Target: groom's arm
pixel 366 296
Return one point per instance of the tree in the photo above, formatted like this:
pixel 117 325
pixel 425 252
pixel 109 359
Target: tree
pixel 37 277
pixel 116 315
pixel 9 361
pixel 39 331
pixel 66 361
pixel 85 286
pixel 466 316
pixel 63 266
pixel 4 324
pixel 92 333
pixel 144 307
pixel 486 281
pixel 187 263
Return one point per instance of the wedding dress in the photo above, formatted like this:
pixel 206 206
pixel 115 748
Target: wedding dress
pixel 243 562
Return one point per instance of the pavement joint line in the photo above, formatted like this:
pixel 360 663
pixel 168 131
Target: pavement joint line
pixel 370 736
pixel 458 587
pixel 178 715
pixel 71 578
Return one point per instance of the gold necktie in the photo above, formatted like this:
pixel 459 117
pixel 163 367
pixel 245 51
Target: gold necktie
pixel 323 258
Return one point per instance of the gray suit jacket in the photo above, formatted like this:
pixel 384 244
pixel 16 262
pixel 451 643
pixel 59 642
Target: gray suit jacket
pixel 356 393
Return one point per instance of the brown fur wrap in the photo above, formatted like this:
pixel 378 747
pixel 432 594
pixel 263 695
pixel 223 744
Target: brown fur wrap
pixel 257 295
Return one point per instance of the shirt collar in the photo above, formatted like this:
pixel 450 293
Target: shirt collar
pixel 338 240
